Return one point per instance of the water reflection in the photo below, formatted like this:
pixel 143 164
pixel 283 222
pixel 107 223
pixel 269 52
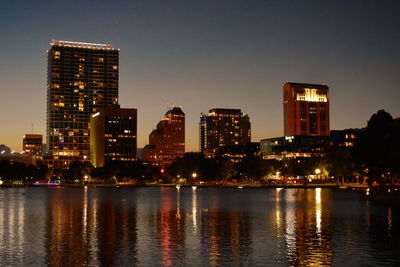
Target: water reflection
pixel 81 233
pixel 307 230
pixel 192 227
pixel 171 228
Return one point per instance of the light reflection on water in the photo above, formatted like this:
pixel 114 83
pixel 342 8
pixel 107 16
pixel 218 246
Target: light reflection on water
pixel 192 227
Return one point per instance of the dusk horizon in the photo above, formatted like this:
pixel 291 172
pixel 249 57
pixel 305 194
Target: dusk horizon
pixel 209 55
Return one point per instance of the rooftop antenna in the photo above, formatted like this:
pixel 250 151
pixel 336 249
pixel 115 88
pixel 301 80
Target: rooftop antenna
pixel 31 128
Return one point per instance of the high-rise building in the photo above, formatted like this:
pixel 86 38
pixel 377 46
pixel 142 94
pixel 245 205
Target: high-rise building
pixel 82 78
pixel 306 109
pixel 32 144
pixel 223 127
pixel 167 141
pixel 113 135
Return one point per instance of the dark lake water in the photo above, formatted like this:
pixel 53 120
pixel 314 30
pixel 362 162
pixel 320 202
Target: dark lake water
pixel 130 226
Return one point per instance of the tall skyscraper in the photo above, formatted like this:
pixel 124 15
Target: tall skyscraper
pixel 167 141
pixel 223 127
pixel 82 78
pixel 113 135
pixel 32 144
pixel 306 109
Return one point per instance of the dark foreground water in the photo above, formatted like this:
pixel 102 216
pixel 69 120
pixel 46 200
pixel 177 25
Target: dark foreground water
pixel 203 227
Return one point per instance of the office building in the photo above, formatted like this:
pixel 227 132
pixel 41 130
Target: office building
pixel 299 146
pixel 113 135
pixel 82 79
pixel 306 109
pixel 223 127
pixel 167 141
pixel 345 138
pixel 32 144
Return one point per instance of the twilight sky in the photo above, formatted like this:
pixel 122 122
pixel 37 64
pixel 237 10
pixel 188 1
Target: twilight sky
pixel 208 53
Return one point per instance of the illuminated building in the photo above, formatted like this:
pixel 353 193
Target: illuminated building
pixel 113 135
pixel 238 153
pixel 299 146
pixel 306 109
pixel 345 138
pixel 223 127
pixel 82 78
pixel 167 141
pixel 32 144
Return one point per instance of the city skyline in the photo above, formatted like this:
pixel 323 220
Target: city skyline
pixel 177 55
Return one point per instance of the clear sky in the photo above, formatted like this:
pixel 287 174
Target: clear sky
pixel 208 53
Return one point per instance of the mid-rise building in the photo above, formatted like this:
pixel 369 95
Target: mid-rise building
pixel 299 146
pixel 306 109
pixel 32 144
pixel 223 127
pixel 82 78
pixel 167 141
pixel 113 135
pixel 238 153
pixel 345 138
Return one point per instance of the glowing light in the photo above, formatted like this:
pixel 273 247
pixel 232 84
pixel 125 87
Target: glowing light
pixel 318 210
pixel 194 175
pixel 311 95
pixel 317 171
pixel 96 114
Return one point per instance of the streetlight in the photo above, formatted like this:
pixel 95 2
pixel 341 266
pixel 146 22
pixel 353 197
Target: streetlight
pixel 194 175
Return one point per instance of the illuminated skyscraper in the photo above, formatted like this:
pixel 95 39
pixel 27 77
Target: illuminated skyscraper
pixel 113 135
pixel 223 127
pixel 306 109
pixel 167 141
pixel 82 78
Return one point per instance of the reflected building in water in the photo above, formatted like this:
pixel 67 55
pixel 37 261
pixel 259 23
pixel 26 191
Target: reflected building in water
pixel 197 227
pixel 171 228
pixel 306 230
pixel 79 231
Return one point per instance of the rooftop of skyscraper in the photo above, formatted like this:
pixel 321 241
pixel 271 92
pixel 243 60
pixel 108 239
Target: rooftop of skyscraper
pixel 175 110
pixel 82 45
pixel 307 85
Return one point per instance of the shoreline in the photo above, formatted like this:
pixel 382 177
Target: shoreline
pixel 235 185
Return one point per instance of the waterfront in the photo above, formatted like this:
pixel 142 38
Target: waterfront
pixel 165 226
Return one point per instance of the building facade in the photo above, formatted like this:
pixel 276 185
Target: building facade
pixel 223 127
pixel 290 147
pixel 167 141
pixel 113 135
pixel 32 144
pixel 82 79
pixel 306 109
pixel 345 138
